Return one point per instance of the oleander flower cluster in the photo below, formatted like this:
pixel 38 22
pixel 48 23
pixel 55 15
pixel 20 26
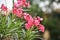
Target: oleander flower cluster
pixel 18 11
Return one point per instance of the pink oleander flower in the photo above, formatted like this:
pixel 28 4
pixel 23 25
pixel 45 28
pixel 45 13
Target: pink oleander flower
pixel 30 22
pixel 19 3
pixel 37 20
pixel 41 27
pixel 4 8
pixel 23 3
pixel 16 5
pixel 18 12
pixel 27 26
pixel 27 17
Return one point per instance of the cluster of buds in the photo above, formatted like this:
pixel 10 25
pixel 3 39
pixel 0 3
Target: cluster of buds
pixel 19 12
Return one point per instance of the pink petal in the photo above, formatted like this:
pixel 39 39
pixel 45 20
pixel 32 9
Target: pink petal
pixel 27 26
pixel 41 27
